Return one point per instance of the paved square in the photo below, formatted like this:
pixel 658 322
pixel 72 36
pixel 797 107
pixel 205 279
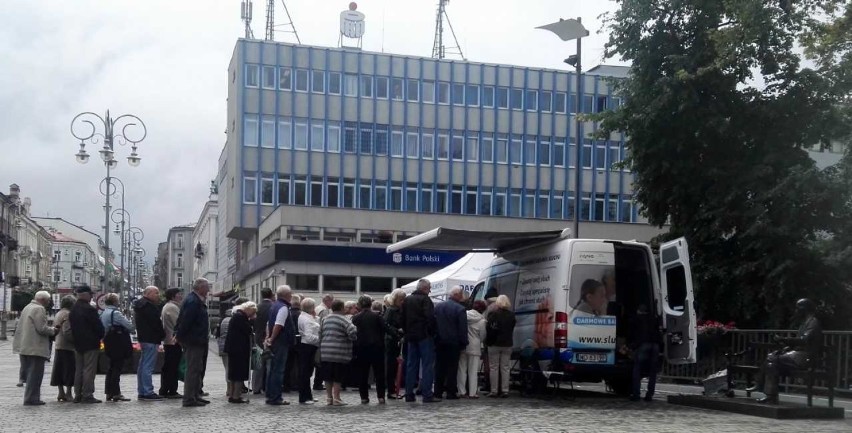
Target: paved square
pixel 589 412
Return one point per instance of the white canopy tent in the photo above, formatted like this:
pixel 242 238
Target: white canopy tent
pixel 464 272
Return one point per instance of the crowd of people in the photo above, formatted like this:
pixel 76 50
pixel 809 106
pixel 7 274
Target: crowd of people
pixel 401 346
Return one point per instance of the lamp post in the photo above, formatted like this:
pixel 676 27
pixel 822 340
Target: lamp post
pixel 93 129
pixel 568 30
pixel 132 239
pixel 121 217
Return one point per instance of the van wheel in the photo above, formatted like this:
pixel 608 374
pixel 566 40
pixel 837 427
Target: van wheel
pixel 620 385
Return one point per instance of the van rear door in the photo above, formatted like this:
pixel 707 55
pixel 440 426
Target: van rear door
pixel 678 302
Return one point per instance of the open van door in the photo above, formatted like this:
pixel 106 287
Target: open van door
pixel 678 302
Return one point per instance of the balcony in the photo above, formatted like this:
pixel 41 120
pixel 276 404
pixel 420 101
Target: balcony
pixel 78 264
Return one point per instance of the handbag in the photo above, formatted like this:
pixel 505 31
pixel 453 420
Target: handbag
pixel 117 344
pixel 491 333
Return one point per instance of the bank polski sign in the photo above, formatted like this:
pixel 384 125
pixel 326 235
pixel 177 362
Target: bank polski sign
pixel 416 258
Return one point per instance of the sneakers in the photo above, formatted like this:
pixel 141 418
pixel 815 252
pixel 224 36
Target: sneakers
pixel 150 397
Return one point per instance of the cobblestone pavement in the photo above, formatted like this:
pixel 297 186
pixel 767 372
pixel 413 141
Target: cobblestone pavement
pixel 588 412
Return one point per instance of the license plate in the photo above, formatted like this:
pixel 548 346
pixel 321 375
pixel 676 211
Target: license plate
pixel 594 358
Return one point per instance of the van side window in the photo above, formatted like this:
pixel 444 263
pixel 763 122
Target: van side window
pixel 676 280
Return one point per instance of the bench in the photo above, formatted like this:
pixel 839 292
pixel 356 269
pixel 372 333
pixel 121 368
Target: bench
pixel 749 361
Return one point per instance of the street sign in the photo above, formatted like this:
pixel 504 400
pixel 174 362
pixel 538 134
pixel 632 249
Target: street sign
pixel 100 301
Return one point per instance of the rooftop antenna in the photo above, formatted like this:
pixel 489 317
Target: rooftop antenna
pixel 271 27
pixel 245 14
pixel 439 50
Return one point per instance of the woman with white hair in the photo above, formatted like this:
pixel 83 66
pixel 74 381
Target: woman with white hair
pixel 500 328
pixel 307 348
pixel 238 345
pixel 62 375
pixel 222 336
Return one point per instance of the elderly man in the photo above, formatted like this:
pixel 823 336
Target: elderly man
pixel 149 329
pixel 88 331
pixel 172 351
pixel 282 336
pixel 191 332
pixel 451 319
pixel 418 322
pixel 32 342
pixel 325 308
pixel 258 376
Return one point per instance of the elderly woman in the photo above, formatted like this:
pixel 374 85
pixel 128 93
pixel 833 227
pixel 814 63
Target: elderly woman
pixel 238 345
pixel 393 340
pixel 336 336
pixel 222 336
pixel 499 330
pixel 116 323
pixel 468 372
pixel 62 375
pixel 309 330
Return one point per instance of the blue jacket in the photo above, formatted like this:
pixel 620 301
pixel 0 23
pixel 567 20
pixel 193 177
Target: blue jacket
pixel 108 319
pixel 193 324
pixel 451 319
pixel 288 334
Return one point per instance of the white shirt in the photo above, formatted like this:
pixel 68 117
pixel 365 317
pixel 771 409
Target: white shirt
pixel 309 329
pixel 282 316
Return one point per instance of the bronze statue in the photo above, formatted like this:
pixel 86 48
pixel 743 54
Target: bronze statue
pixel 800 350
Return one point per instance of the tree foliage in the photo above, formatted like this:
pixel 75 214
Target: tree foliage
pixel 718 108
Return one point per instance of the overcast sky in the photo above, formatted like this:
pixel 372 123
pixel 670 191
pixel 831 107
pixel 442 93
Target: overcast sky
pixel 166 61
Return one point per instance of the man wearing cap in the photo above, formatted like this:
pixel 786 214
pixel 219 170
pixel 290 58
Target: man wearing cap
pixel 87 329
pixel 192 333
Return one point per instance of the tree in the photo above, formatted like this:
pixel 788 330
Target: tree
pixel 717 110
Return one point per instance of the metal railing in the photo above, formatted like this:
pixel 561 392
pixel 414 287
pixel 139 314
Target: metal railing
pixel 711 356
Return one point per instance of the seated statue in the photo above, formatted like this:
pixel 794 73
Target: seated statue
pixel 799 352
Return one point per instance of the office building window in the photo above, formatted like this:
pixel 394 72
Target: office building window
pixel 443 147
pixel 472 95
pixel 318 82
pixel 587 156
pixel 443 92
pixel 250 131
pixel 301 80
pixel 339 284
pixel 349 195
pixel 502 97
pixel 559 99
pixel 252 76
pixel 381 142
pixel 317 136
pixel 470 202
pixel 488 96
pixel 179 278
pixel 559 153
pixel 572 103
pixel 542 211
pixel 515 151
pixel 458 94
pixel 556 206
pixel 249 190
pixel 458 148
pixel 331 191
pixel 301 142
pixel 613 157
pixel 585 206
pixel 627 210
pixel 531 100
pixel 316 192
pixel 285 78
pixel 350 85
pixel 397 89
pixel 487 148
pixel 426 200
pixel 612 209
pixel 515 203
pixel 428 91
pixel 428 145
pixel 301 191
pixel 365 197
pixel 456 200
pixel 366 141
pixel 396 143
pixel 500 202
pixel 382 87
pixel 588 104
pixel 283 191
pixel 529 205
pixel 441 200
pixel 303 282
pixel 472 150
pixel 350 140
pixel 571 156
pixel 267 190
pixel 412 145
pixel 485 203
pixel 517 99
pixel 544 153
pixel 569 208
pixel 269 77
pixel 413 90
pixel 529 152
pixel 599 207
pixel 545 101
pixel 502 150
pixel 285 139
pixel 366 86
pixel 600 104
pixel 411 199
pixel 396 198
pixel 267 133
pixel 600 156
pixel 334 83
pixel 333 138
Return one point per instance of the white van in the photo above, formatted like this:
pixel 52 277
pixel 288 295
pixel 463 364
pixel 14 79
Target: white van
pixel 543 274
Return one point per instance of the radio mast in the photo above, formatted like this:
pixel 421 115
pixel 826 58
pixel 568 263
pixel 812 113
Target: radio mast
pixel 439 50
pixel 245 15
pixel 271 27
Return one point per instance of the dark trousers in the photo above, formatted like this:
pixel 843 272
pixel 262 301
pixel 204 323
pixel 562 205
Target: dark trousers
pixel 371 358
pixel 22 371
pixel 391 367
pixel 275 380
pixel 195 365
pixel 306 368
pixel 291 370
pixel 33 367
pixel 446 369
pixel 169 373
pixel 112 387
pixel 646 358
pixel 203 369
pixel 420 358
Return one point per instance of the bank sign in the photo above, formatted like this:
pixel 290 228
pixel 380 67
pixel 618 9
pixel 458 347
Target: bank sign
pixel 363 255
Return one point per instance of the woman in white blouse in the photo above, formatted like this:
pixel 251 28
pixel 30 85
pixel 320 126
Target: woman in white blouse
pixel 309 331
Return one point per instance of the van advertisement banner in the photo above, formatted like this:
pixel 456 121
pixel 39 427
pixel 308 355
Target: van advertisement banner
pixel 534 309
pixel 588 335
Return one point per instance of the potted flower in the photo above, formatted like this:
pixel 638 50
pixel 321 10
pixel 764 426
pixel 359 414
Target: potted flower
pixel 713 335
